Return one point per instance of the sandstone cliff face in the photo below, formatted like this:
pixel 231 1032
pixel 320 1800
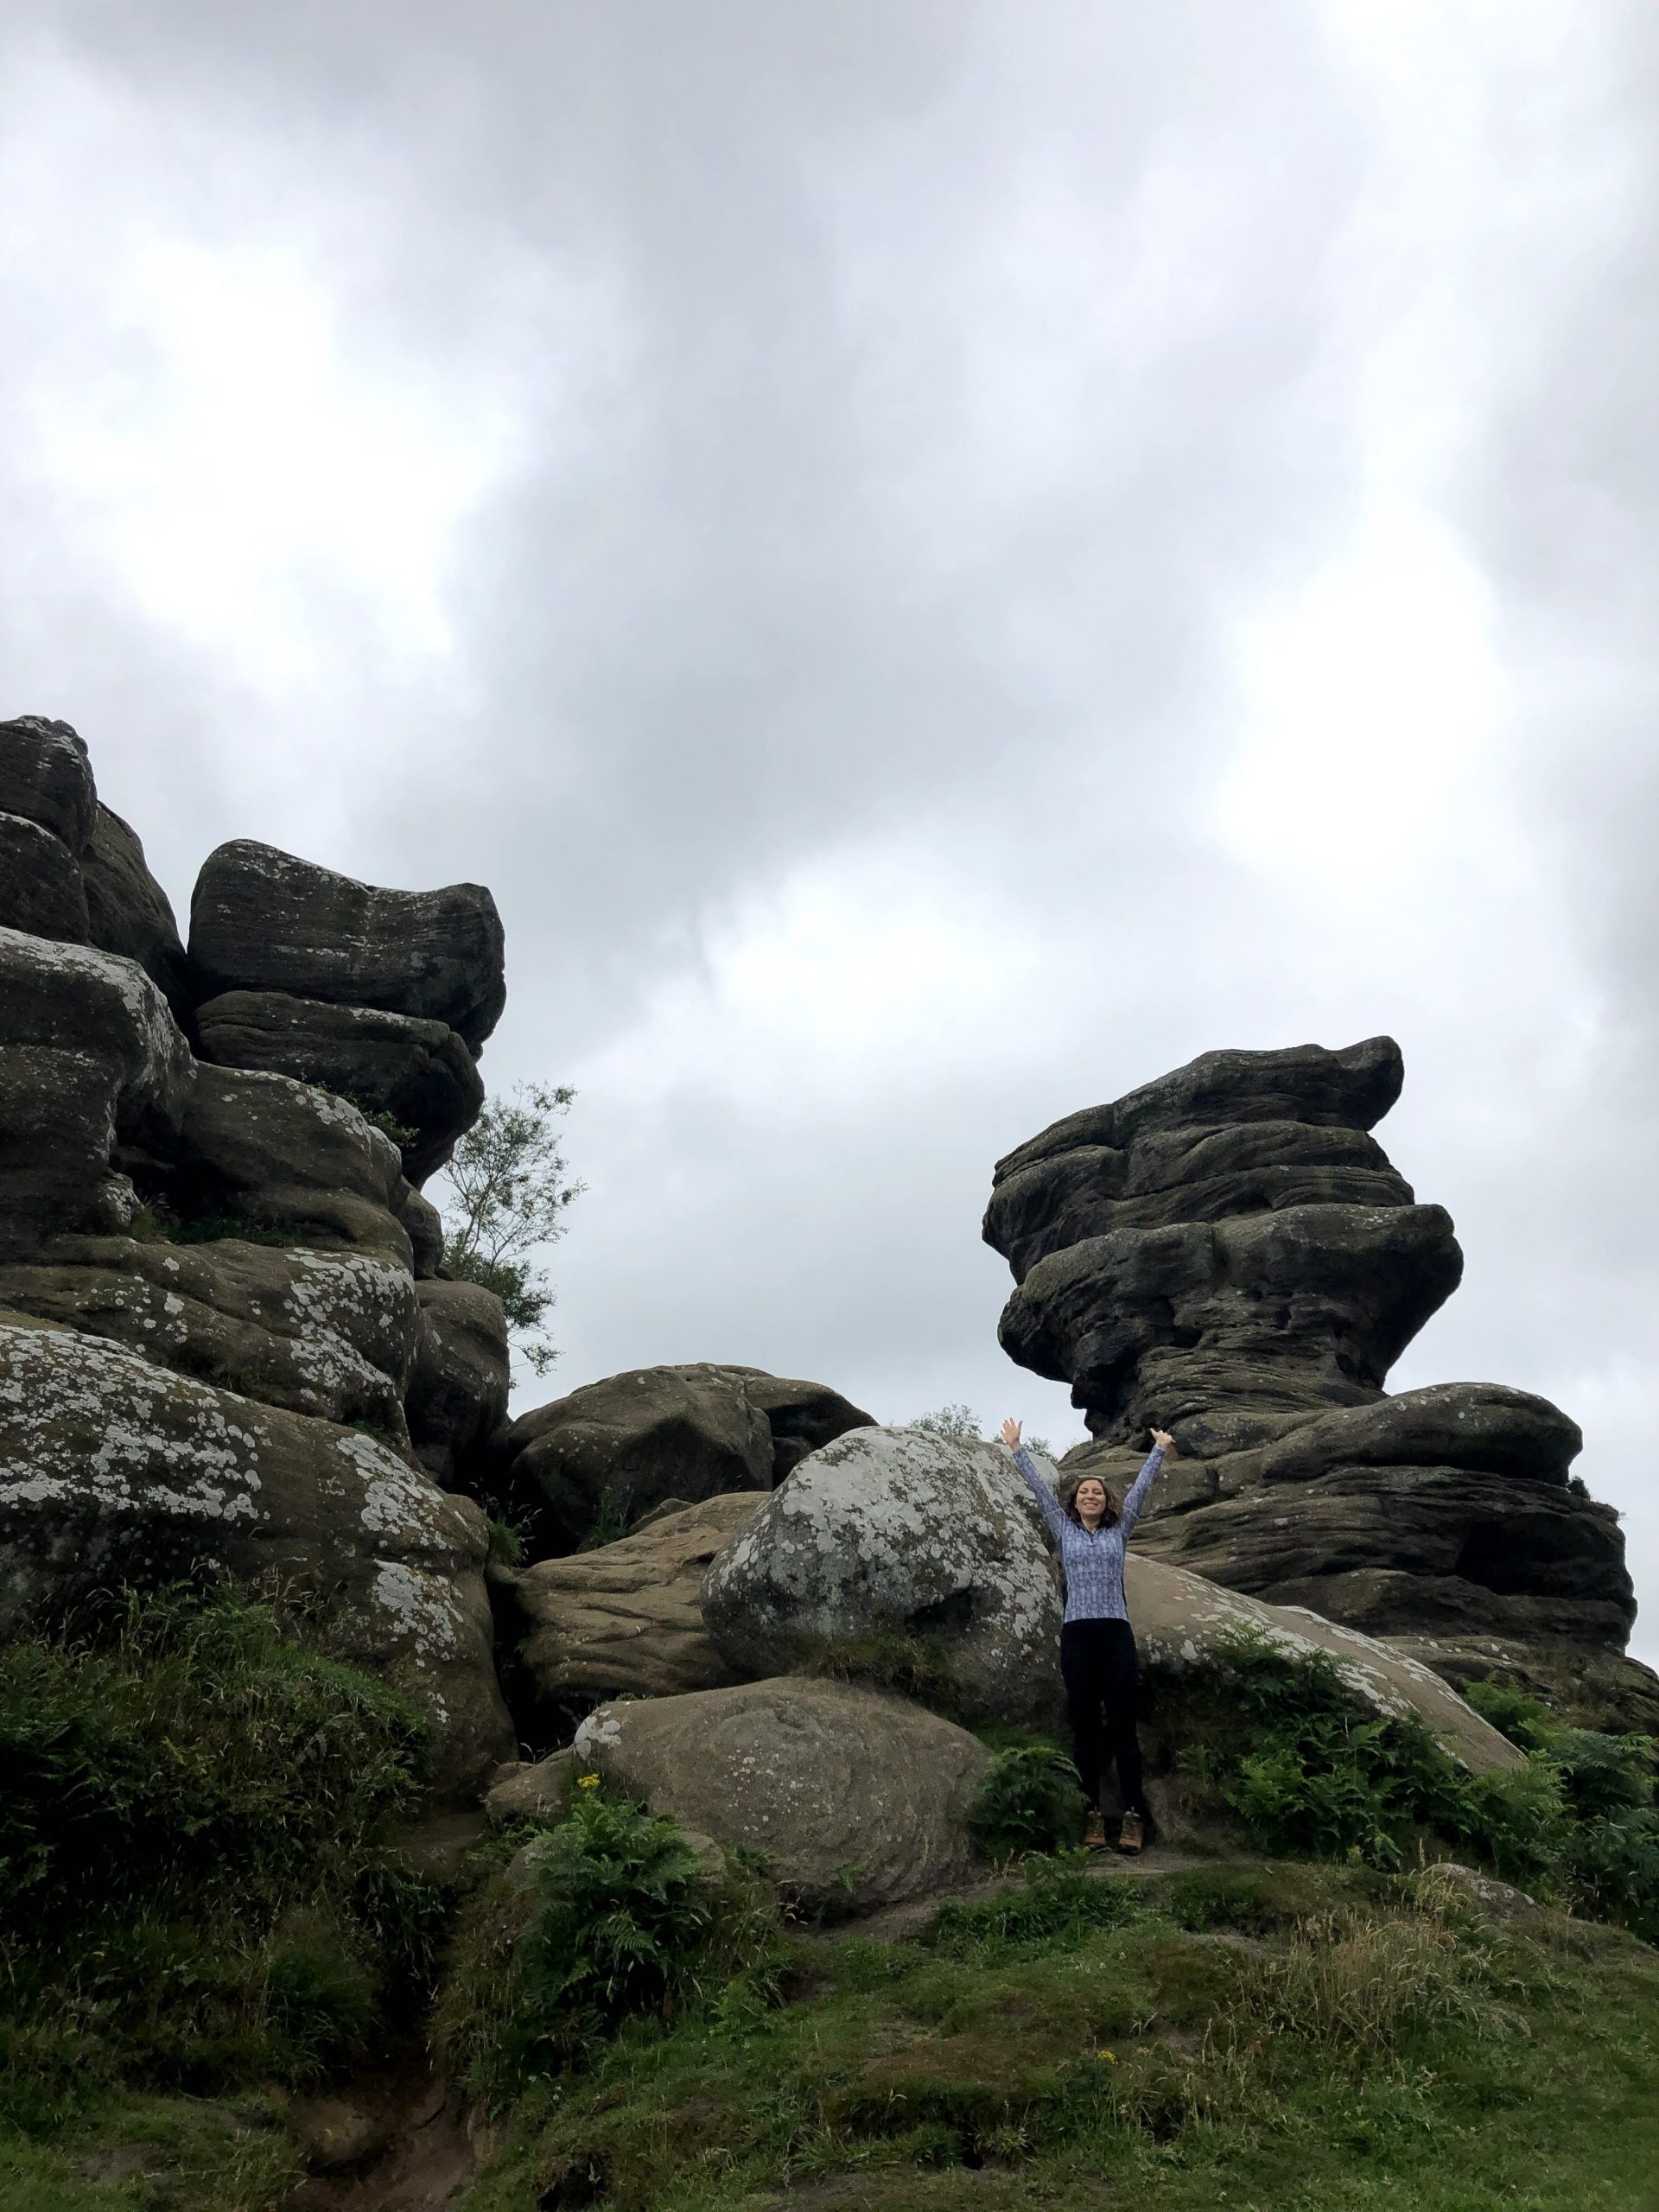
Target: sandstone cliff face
pixel 220 1348
pixel 1228 1253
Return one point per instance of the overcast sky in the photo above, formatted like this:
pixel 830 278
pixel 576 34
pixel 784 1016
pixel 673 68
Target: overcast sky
pixel 939 559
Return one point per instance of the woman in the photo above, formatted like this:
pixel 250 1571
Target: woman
pixel 1097 1660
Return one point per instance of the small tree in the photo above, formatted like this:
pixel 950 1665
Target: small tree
pixel 962 1424
pixel 508 1180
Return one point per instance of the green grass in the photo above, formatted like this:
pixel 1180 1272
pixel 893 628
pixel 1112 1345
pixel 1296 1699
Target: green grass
pixel 1289 2038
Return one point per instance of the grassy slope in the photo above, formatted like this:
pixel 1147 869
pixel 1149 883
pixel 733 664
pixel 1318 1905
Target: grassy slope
pixel 1228 2043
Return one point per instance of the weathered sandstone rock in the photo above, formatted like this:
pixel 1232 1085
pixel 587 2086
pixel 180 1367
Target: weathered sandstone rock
pixel 855 1798
pixel 40 889
pixel 92 1061
pixel 627 1616
pixel 457 1394
pixel 129 913
pixel 45 777
pixel 261 920
pixel 330 1334
pixel 419 1073
pixel 112 1469
pixel 898 1533
pixel 1228 1254
pixel 612 1450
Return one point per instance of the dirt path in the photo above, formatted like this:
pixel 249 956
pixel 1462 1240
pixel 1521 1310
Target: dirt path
pixel 389 2141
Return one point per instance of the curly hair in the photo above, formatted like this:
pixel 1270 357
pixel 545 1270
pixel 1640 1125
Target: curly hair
pixel 1069 1502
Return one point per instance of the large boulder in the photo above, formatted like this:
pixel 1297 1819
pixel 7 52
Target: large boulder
pixel 40 889
pixel 900 1534
pixel 261 920
pixel 458 1392
pixel 331 1334
pixel 45 777
pixel 855 1798
pixel 626 1618
pixel 129 913
pixel 608 1453
pixel 113 1469
pixel 93 1066
pixel 417 1074
pixel 1227 1253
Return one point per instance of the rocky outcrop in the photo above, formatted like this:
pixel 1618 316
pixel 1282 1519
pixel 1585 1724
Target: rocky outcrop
pixel 854 1798
pixel 261 920
pixel 898 1535
pixel 612 1451
pixel 626 1619
pixel 112 1469
pixel 417 1076
pixel 1228 1253
pixel 212 1337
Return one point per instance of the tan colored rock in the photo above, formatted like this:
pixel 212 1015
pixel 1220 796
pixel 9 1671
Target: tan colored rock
pixel 527 1789
pixel 626 1616
pixel 855 1798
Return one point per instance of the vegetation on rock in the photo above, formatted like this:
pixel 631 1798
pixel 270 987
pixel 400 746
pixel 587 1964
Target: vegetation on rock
pixel 509 1187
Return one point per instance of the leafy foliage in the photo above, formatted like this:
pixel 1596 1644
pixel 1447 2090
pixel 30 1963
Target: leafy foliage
pixel 509 1189
pixel 609 1918
pixel 195 1881
pixel 961 1424
pixel 1029 1800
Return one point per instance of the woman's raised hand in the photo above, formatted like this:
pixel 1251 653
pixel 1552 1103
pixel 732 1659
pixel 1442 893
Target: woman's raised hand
pixel 1011 1434
pixel 1162 1436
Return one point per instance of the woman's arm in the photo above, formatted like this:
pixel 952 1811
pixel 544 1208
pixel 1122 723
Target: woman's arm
pixel 1047 1504
pixel 1163 1441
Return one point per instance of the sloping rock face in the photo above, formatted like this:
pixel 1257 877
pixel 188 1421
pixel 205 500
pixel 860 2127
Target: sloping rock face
pixel 627 1618
pixel 1228 1254
pixel 215 1354
pixel 897 1534
pixel 855 1798
pixel 612 1451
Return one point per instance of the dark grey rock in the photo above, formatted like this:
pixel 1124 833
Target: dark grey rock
pixel 457 1392
pixel 129 913
pixel 261 920
pixel 612 1450
pixel 40 889
pixel 417 1073
pixel 45 777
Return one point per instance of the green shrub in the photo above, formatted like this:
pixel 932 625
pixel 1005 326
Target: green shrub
pixel 611 1917
pixel 1060 1900
pixel 1029 1800
pixel 196 1884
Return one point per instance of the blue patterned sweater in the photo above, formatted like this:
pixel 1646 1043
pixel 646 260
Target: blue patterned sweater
pixel 1093 1561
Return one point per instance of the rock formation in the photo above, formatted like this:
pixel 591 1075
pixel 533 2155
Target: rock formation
pixel 612 1452
pixel 1228 1253
pixel 220 1347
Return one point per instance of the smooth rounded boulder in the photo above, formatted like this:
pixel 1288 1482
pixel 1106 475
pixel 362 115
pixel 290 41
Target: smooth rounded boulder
pixel 262 920
pixel 900 1534
pixel 854 1798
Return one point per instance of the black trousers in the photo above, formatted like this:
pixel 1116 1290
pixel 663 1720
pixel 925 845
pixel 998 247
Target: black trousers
pixel 1103 1694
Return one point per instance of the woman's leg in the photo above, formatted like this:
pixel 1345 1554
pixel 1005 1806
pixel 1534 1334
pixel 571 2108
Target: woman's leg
pixel 1081 1671
pixel 1121 1675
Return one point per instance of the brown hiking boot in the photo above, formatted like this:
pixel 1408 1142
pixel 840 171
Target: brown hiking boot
pixel 1094 1830
pixel 1132 1835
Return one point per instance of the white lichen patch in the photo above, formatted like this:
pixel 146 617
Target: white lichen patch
pixel 421 1611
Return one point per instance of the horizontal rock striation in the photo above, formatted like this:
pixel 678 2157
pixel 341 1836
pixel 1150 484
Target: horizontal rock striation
pixel 1227 1253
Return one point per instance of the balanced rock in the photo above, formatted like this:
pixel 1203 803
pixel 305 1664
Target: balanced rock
pixel 94 1074
pixel 854 1798
pixel 612 1450
pixel 417 1074
pixel 896 1534
pixel 113 1469
pixel 261 920
pixel 626 1618
pixel 1228 1254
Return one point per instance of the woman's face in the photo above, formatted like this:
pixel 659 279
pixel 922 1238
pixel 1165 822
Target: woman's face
pixel 1091 1499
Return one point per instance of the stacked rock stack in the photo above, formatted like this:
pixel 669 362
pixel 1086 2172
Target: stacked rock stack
pixel 223 1344
pixel 1228 1253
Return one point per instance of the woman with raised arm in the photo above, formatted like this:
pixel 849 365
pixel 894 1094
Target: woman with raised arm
pixel 1098 1657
